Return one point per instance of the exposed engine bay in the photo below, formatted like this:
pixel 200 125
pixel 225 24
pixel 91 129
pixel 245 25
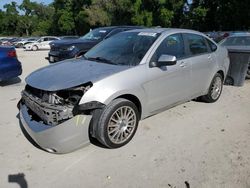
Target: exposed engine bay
pixel 52 107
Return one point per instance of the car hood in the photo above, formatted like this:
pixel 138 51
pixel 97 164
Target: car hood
pixel 72 42
pixel 71 73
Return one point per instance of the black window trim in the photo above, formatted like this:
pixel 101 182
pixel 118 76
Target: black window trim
pixel 189 55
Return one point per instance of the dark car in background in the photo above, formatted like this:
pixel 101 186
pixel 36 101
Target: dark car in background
pixel 10 67
pixel 66 49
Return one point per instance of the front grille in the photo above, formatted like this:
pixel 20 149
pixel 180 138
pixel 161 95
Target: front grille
pixel 57 48
pixel 54 48
pixel 50 114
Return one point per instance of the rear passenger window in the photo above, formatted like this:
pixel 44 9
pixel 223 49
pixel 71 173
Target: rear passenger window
pixel 196 44
pixel 172 45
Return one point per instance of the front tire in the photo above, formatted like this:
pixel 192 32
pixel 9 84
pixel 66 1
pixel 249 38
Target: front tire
pixel 34 48
pixel 215 89
pixel 118 123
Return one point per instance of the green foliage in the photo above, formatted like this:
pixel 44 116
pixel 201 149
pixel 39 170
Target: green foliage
pixel 66 22
pixel 165 18
pixel 76 17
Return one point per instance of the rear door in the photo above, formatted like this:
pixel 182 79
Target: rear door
pixel 202 61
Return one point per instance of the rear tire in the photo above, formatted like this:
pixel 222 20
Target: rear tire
pixel 118 123
pixel 215 89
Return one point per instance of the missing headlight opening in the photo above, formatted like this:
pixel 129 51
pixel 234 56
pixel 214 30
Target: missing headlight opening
pixel 52 107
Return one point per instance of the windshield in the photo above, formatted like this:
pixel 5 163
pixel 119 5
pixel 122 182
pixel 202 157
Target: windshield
pixel 236 41
pixel 126 48
pixel 96 34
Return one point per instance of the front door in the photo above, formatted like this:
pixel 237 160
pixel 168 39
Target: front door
pixel 168 85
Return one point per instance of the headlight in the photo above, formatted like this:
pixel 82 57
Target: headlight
pixel 73 95
pixel 70 48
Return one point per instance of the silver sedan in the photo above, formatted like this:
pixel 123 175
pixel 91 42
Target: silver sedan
pixel 126 78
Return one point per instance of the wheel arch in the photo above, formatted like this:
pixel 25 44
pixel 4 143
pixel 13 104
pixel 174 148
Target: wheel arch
pixel 133 99
pixel 35 45
pixel 221 72
pixel 97 113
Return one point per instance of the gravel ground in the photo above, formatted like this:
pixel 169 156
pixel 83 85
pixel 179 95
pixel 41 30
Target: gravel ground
pixel 194 145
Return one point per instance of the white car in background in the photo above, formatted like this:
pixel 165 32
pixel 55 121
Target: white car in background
pixel 41 44
pixel 23 42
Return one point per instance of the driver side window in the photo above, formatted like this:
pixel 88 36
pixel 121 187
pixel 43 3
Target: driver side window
pixel 172 45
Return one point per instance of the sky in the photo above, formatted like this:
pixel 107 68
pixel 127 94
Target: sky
pixel 3 2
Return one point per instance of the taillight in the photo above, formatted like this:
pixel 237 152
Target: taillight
pixel 12 53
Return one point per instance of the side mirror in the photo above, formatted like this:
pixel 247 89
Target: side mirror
pixel 164 60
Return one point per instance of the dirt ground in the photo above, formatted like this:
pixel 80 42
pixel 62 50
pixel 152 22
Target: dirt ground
pixel 194 145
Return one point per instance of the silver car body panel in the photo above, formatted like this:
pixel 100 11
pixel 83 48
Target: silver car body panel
pixel 63 138
pixel 156 88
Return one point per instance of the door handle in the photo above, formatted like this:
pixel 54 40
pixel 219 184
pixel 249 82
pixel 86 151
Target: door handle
pixel 183 64
pixel 209 57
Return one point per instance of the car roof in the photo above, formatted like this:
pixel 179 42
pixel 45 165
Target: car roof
pixel 240 35
pixel 120 26
pixel 166 30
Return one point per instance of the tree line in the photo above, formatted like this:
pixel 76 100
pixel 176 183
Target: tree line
pixel 76 17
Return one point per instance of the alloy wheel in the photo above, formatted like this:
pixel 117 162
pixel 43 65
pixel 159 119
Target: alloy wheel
pixel 216 88
pixel 121 125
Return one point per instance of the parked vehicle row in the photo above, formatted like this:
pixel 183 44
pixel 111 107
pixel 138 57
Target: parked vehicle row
pixel 9 41
pixel 20 42
pixel 123 79
pixel 218 36
pixel 23 42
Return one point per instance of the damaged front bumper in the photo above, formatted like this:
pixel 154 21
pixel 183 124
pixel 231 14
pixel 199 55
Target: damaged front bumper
pixel 66 137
